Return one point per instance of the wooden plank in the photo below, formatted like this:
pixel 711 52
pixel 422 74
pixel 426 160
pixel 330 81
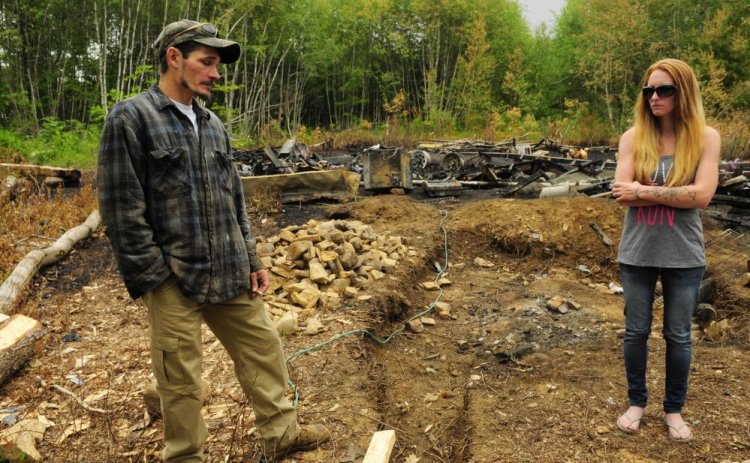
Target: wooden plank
pixel 279 163
pixel 739 201
pixel 380 447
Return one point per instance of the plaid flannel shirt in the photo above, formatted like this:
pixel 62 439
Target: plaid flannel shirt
pixel 173 204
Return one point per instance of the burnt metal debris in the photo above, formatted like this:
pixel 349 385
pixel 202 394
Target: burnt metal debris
pixel 512 168
pixel 731 203
pixel 291 157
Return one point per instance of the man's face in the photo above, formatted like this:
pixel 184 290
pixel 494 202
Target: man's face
pixel 198 72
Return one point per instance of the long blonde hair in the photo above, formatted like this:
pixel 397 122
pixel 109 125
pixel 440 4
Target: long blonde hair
pixel 689 124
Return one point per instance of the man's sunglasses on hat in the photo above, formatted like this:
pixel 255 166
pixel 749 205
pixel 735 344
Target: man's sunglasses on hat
pixel 203 29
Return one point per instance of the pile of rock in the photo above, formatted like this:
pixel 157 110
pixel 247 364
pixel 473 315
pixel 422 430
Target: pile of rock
pixel 316 265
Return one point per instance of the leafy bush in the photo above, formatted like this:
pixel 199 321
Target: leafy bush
pixel 57 143
pixel 735 135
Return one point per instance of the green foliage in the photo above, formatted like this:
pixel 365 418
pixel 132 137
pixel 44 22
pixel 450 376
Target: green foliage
pixel 735 135
pixel 11 147
pixel 57 143
pixel 391 68
pixel 272 134
pixel 97 114
pixel 243 143
pixel 472 85
pixel 512 123
pixel 579 125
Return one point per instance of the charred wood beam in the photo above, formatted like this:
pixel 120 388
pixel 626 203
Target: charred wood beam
pixel 523 183
pixel 737 201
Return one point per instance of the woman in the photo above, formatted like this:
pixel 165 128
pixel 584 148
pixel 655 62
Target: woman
pixel 668 168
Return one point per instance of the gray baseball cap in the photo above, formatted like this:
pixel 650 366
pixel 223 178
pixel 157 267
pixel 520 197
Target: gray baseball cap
pixel 186 30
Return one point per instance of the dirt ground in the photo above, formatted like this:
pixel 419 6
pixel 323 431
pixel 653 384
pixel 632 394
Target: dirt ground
pixel 504 380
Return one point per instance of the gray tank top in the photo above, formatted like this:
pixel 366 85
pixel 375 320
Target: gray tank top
pixel 662 236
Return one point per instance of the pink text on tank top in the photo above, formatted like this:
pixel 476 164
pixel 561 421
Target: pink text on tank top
pixel 655 215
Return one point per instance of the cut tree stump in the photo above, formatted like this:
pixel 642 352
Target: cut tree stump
pixel 14 285
pixel 380 447
pixel 20 338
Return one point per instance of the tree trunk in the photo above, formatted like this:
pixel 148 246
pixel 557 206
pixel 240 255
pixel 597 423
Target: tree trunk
pixel 101 37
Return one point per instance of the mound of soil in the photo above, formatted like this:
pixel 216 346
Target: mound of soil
pixel 535 232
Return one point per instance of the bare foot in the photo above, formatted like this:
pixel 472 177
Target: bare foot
pixel 630 421
pixel 678 429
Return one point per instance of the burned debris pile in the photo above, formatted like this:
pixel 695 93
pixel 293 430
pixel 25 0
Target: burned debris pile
pixel 291 157
pixel 297 174
pixel 466 159
pixel 511 168
pixel 731 202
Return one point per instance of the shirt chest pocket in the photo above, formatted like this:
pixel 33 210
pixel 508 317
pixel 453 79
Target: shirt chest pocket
pixel 168 171
pixel 226 169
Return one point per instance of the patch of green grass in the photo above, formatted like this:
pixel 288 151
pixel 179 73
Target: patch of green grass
pixel 56 143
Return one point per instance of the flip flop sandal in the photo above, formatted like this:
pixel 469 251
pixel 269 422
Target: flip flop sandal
pixel 626 429
pixel 677 430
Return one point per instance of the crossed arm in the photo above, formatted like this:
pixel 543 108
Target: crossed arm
pixel 629 192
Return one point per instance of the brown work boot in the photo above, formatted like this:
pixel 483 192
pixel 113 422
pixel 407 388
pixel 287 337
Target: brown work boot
pixel 309 437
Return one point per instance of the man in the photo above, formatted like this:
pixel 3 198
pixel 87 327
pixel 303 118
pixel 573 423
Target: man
pixel 173 205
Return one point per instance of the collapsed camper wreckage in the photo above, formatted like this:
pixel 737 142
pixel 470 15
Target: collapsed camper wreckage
pixel 446 168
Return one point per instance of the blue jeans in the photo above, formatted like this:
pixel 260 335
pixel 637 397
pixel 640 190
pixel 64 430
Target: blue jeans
pixel 680 288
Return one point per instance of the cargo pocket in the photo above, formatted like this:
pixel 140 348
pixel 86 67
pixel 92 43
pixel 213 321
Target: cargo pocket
pixel 166 360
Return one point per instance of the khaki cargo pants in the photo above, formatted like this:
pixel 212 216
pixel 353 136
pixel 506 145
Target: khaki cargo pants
pixel 246 332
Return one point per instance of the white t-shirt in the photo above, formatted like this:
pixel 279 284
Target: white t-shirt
pixel 190 113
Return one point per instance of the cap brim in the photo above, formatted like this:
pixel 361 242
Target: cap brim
pixel 228 51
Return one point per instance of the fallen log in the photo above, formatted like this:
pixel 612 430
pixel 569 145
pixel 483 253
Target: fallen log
pixel 20 338
pixel 14 285
pixel 70 176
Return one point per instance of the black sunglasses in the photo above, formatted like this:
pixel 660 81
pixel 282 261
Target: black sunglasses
pixel 664 91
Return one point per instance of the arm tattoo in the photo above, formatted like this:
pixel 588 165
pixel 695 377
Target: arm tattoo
pixel 668 193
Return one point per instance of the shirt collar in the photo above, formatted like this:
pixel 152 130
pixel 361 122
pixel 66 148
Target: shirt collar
pixel 161 101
